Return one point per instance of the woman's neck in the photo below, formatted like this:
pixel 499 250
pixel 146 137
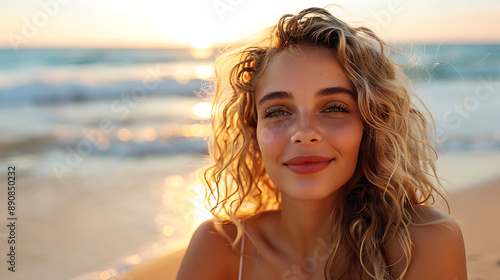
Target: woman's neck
pixel 305 225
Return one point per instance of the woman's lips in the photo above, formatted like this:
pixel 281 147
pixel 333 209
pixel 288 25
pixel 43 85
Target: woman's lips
pixel 307 164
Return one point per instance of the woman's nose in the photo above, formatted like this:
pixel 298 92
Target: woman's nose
pixel 306 131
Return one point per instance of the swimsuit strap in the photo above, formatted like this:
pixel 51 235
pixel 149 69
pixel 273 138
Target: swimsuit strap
pixel 241 256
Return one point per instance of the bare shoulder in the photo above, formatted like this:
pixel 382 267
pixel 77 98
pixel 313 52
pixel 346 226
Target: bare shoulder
pixel 433 227
pixel 422 214
pixel 209 254
pixel 438 250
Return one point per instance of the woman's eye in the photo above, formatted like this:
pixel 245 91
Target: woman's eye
pixel 275 112
pixel 337 108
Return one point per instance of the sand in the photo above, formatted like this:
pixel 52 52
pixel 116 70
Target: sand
pixel 90 222
pixel 476 209
pixel 83 226
pixel 63 233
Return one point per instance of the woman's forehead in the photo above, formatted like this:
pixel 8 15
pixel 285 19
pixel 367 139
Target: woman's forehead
pixel 308 64
pixel 301 52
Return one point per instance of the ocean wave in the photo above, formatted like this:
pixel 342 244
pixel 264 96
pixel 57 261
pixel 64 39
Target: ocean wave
pixel 449 62
pixel 46 93
pixel 85 147
pixel 10 59
pixel 175 145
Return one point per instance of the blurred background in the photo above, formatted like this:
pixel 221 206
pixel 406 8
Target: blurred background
pixel 101 114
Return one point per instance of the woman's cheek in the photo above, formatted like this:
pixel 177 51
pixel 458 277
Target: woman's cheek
pixel 346 133
pixel 269 132
pixel 265 137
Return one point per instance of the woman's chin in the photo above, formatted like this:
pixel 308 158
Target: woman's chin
pixel 308 192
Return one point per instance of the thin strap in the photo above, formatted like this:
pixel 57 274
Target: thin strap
pixel 241 256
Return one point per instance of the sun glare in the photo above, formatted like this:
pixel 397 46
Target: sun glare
pixel 124 134
pixel 202 110
pixel 204 72
pixel 201 211
pixel 200 44
pixel 201 53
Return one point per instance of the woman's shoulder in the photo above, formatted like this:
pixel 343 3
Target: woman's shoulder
pixel 438 250
pixel 425 214
pixel 209 254
pixel 434 228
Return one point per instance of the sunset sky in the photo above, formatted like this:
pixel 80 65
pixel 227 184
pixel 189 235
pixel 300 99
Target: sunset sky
pixel 202 23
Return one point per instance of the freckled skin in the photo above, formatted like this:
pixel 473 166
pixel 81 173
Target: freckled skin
pixel 304 126
pixel 281 240
pixel 266 136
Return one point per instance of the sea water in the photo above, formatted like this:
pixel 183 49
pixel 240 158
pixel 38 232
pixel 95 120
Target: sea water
pixel 105 118
pixel 49 97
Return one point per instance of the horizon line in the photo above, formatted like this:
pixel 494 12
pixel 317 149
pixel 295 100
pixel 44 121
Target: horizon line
pixel 215 46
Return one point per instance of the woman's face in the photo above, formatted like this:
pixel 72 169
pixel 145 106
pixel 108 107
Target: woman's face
pixel 309 129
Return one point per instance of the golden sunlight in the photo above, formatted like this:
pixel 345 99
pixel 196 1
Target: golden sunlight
pixel 174 181
pixel 202 212
pixel 168 230
pixel 107 274
pixel 133 259
pixel 202 53
pixel 204 71
pixel 148 134
pixel 202 110
pixel 124 135
pixel 200 44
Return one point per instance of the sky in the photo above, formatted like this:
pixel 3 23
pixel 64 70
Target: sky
pixel 204 23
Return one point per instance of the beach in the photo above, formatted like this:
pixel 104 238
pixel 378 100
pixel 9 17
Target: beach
pixel 473 189
pixel 476 209
pixel 108 220
pixel 106 145
pixel 74 230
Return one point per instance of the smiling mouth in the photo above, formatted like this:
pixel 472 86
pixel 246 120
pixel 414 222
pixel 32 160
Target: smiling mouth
pixel 306 167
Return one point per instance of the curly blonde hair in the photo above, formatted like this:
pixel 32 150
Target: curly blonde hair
pixel 395 168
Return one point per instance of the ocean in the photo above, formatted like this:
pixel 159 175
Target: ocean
pixel 124 129
pixel 49 98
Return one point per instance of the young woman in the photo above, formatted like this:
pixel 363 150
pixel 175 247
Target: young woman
pixel 322 164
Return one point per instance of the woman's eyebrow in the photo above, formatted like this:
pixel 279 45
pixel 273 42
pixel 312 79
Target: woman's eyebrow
pixel 333 91
pixel 322 92
pixel 275 95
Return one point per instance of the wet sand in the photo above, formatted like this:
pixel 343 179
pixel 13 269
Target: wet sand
pixel 476 209
pixel 87 227
pixel 87 224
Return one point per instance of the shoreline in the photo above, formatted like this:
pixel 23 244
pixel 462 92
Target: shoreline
pixel 474 208
pixel 109 217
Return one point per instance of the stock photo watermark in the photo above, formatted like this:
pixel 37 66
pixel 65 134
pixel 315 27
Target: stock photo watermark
pixel 310 264
pixel 30 27
pixel 222 7
pixel 459 112
pixel 94 138
pixel 382 18
pixel 11 220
